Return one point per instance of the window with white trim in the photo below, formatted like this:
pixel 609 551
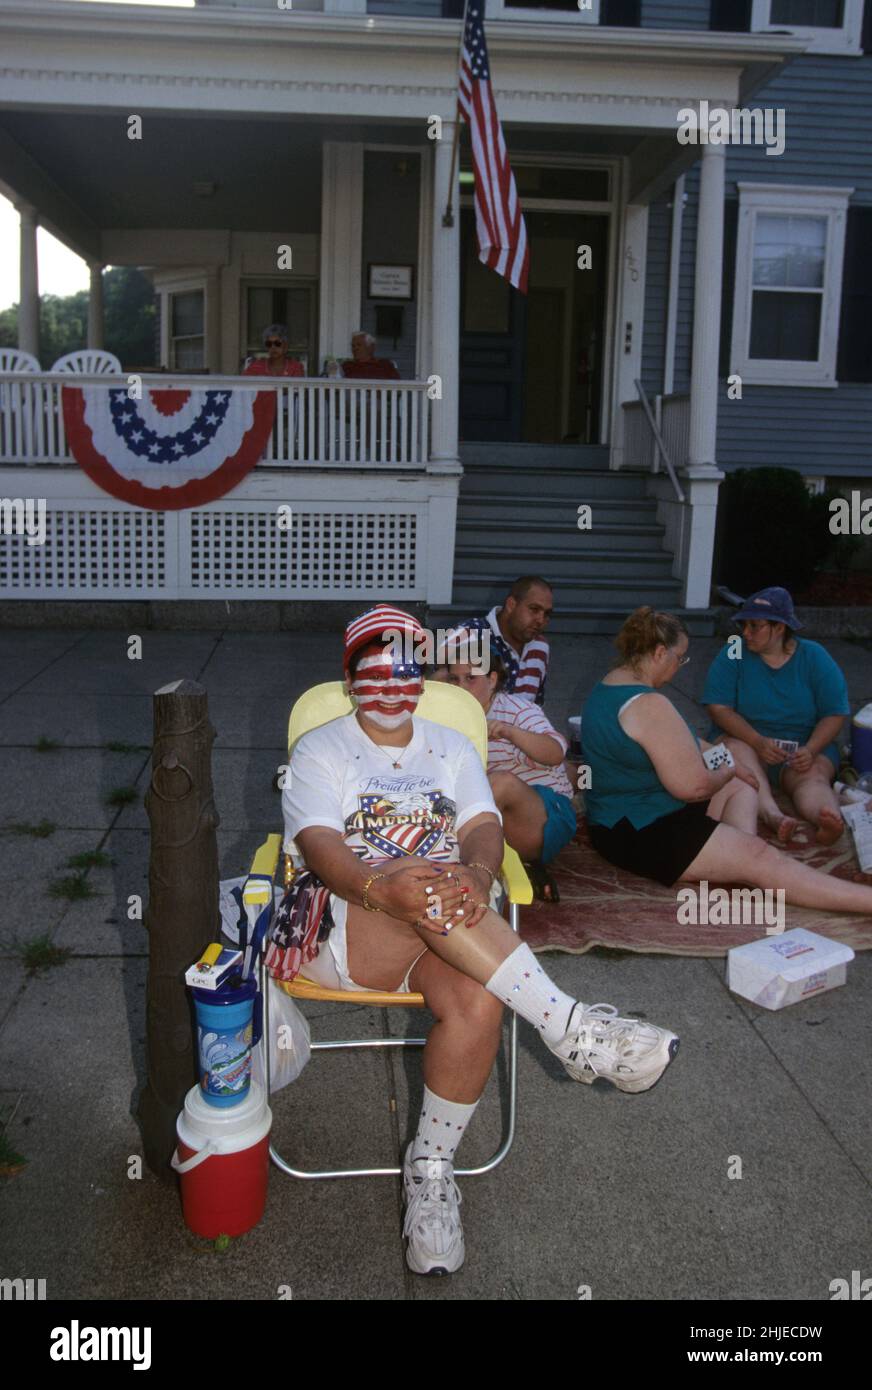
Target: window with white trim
pixel 568 10
pixel 788 287
pixel 831 26
pixel 187 316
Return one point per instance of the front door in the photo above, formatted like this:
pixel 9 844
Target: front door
pixel 492 337
pixel 531 366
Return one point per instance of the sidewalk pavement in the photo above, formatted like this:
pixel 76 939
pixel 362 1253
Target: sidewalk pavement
pixel 627 1195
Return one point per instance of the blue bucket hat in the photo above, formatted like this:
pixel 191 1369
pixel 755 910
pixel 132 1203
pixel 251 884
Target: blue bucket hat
pixel 770 605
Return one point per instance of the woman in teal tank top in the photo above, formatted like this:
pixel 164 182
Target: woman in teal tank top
pixel 783 702
pixel 656 808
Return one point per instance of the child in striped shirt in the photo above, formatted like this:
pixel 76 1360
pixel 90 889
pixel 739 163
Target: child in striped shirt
pixel 525 769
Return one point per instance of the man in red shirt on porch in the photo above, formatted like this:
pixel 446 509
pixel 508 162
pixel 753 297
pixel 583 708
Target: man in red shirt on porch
pixel 363 363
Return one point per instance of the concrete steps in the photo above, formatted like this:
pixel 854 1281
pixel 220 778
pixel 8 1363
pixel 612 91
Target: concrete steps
pixel 518 514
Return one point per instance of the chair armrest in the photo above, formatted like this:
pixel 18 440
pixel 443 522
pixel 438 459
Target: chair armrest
pixel 258 885
pixel 514 877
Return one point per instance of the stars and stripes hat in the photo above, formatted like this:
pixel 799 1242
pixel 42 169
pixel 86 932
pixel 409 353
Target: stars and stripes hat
pixel 373 624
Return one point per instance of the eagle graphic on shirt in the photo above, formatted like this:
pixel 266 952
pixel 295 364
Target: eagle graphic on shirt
pixel 406 823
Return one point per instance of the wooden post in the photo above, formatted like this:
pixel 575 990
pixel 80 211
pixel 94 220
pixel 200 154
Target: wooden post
pixel 182 914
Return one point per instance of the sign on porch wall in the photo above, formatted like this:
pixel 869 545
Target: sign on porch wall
pixel 171 449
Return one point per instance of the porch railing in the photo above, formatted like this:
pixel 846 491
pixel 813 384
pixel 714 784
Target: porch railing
pixel 322 424
pixel 661 433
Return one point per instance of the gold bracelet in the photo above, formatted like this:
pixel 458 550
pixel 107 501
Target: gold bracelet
pixel 365 891
pixel 487 868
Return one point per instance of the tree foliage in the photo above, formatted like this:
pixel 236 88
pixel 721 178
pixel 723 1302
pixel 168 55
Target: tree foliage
pixel 129 320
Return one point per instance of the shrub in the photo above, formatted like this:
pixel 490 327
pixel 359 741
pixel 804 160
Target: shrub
pixel 770 530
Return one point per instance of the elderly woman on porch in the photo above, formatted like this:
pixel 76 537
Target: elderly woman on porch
pixel 779 688
pixel 402 841
pixel 655 808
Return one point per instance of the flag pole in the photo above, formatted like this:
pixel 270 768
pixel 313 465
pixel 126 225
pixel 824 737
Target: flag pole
pixel 448 214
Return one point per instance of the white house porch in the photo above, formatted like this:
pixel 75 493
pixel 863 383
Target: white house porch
pixel 206 199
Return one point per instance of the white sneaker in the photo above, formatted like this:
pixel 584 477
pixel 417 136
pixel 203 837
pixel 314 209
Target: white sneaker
pixel 631 1054
pixel 432 1222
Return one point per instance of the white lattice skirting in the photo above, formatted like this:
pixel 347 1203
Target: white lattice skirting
pixel 236 548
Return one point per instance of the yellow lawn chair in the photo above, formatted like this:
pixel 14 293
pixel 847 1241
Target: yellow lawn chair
pixel 443 704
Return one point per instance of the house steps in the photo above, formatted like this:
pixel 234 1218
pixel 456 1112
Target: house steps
pixel 518 514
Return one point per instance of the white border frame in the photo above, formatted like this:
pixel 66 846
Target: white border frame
pixel 802 200
pixel 844 41
pixel 184 285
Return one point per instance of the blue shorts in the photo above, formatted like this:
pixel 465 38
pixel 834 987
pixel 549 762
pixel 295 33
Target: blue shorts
pixel 560 823
pixel 774 770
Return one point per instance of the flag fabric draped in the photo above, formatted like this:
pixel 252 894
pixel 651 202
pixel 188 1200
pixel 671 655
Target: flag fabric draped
pixel 170 449
pixel 499 222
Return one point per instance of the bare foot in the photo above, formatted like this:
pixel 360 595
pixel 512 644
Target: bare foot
pixel 785 827
pixel 863 878
pixel 830 827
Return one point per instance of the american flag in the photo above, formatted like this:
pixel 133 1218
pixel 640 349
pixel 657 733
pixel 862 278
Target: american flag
pixel 499 222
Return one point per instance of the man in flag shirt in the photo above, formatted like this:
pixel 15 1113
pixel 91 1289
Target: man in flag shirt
pixel 402 918
pixel 516 635
pixel 499 222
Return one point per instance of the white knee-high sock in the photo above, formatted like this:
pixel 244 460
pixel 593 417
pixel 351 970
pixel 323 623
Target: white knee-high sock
pixel 522 984
pixel 440 1128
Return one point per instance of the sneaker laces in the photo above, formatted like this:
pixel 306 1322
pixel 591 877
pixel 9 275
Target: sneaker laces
pixel 432 1204
pixel 600 1030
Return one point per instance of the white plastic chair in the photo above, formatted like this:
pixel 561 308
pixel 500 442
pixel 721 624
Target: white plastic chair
pixel 88 362
pixel 14 360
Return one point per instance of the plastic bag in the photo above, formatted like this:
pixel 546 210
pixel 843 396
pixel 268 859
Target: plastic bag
pixel 288 1041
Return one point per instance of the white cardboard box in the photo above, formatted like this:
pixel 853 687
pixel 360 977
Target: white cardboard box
pixel 781 970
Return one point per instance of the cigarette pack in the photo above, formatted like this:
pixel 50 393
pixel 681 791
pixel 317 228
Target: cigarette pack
pixel 782 970
pixel 212 970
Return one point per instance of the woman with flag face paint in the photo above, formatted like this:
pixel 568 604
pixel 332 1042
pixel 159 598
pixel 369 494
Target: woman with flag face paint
pixel 395 819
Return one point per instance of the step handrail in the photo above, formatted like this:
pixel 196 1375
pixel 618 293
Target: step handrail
pixel 655 430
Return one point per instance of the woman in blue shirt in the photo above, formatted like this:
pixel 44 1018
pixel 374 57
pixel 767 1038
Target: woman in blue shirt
pixel 776 687
pixel 655 808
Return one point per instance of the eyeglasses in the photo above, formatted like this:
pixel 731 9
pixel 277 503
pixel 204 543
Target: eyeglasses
pixel 754 623
pixel 273 342
pixel 683 660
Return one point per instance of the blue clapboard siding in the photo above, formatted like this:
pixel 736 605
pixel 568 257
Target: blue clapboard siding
pixel 675 14
pixel 828 105
pixel 656 293
pixel 825 432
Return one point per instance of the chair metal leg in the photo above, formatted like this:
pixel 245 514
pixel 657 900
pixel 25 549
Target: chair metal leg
pixel 487 1167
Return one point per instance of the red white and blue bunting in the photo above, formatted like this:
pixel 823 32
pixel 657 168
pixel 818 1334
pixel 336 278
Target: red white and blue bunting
pixel 171 449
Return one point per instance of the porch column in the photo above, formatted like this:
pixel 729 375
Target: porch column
pixel 95 306
pixel 707 309
pixel 28 298
pixel 445 311
pixel 341 247
pixel 701 476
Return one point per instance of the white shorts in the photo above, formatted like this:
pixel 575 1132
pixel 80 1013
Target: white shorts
pixel 330 967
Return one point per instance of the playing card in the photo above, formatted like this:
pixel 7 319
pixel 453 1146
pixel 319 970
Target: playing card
pixel 718 756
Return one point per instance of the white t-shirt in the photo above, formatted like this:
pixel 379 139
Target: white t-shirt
pixel 503 756
pixel 339 778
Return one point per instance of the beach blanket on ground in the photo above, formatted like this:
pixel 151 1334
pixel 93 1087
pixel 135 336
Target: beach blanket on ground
pixel 604 906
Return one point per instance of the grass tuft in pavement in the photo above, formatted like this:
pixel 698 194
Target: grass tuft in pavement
pixel 46 745
pixel 89 859
pixel 40 831
pixel 40 954
pixel 73 887
pixel 122 796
